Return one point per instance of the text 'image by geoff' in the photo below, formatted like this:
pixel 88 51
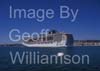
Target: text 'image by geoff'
pixel 49 35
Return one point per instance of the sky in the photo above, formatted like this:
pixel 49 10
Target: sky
pixel 85 27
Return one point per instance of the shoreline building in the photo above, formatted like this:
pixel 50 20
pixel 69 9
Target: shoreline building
pixel 86 43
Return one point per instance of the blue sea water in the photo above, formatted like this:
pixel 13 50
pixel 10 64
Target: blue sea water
pixel 92 51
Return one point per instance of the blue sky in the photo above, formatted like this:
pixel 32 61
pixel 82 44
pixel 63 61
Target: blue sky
pixel 86 25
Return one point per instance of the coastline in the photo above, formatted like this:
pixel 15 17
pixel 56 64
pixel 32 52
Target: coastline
pixel 76 43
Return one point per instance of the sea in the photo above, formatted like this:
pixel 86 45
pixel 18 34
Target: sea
pixel 73 58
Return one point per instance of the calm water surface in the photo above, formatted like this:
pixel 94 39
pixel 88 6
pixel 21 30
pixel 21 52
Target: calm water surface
pixel 92 52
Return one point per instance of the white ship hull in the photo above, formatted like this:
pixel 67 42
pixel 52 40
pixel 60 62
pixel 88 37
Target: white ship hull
pixel 54 44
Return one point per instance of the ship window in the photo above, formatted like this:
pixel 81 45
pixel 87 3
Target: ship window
pixel 50 38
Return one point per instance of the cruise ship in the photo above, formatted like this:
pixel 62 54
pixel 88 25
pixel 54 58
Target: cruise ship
pixel 53 39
